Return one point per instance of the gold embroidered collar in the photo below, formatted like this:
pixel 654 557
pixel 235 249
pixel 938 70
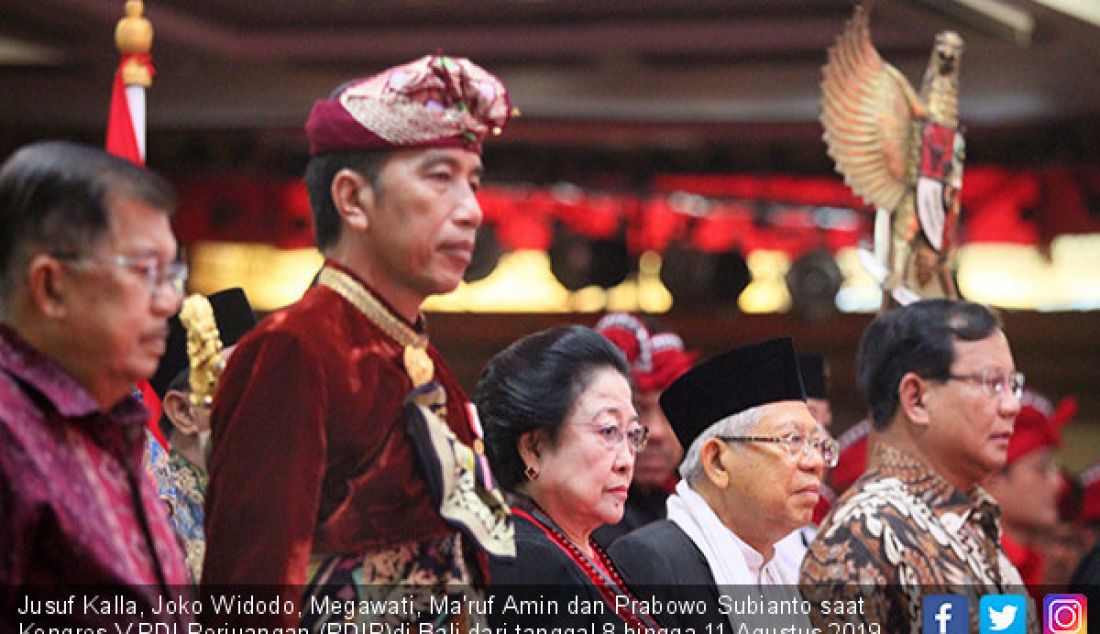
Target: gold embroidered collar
pixel 418 365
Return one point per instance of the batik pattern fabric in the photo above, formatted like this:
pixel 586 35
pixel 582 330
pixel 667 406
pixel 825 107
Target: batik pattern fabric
pixel 77 508
pixel 155 461
pixel 401 585
pixel 900 533
pixel 182 488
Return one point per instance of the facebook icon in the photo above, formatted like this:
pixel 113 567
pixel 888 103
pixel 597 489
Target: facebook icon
pixel 945 614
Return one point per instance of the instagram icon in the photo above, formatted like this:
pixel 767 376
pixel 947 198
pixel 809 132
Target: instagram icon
pixel 1065 614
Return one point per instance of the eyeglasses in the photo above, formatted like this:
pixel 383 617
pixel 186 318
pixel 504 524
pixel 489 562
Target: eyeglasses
pixel 799 445
pixel 613 435
pixel 994 383
pixel 173 274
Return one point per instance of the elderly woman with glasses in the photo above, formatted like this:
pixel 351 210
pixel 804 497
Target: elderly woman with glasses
pixel 562 435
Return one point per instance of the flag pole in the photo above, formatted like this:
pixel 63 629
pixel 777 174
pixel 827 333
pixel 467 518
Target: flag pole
pixel 126 125
pixel 126 129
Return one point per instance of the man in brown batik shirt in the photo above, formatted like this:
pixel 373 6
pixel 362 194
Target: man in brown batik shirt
pixel 944 393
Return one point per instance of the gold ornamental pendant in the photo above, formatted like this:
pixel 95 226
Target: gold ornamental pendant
pixel 204 346
pixel 418 365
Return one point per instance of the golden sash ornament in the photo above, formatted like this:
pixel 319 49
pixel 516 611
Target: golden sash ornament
pixel 418 365
pixel 458 475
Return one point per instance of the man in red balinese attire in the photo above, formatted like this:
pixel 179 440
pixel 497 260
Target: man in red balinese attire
pixel 319 473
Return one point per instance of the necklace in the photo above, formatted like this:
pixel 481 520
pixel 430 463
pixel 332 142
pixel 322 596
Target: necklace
pixel 600 571
pixel 418 365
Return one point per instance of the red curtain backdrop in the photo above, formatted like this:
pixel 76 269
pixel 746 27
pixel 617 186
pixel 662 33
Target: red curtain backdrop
pixel 744 212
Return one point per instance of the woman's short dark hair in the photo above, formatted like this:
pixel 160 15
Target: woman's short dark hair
pixel 534 384
pixel 320 171
pixel 55 195
pixel 918 338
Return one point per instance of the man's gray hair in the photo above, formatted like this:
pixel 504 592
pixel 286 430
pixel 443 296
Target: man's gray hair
pixel 54 198
pixel 739 424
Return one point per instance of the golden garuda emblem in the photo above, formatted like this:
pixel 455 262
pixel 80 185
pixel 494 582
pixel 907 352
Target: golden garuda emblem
pixel 901 152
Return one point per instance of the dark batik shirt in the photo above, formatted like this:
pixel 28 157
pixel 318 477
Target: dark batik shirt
pixel 182 488
pixel 902 532
pixel 71 482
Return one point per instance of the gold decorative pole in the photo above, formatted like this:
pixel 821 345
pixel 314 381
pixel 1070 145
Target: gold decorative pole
pixel 126 127
pixel 134 37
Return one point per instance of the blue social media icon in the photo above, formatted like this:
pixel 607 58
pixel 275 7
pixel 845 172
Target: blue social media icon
pixel 1002 614
pixel 945 614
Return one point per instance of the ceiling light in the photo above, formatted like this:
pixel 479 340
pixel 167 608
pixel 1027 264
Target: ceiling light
pixel 16 52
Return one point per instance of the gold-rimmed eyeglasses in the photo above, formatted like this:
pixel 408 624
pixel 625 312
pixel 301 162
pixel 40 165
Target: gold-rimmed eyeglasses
pixel 798 445
pixel 613 435
pixel 994 383
pixel 173 274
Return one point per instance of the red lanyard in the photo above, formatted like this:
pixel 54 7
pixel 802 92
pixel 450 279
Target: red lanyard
pixel 607 581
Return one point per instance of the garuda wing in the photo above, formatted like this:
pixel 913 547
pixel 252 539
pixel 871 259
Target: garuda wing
pixel 866 108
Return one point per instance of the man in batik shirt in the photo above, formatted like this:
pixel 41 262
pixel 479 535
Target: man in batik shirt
pixel 180 468
pixel 943 391
pixel 319 473
pixel 88 279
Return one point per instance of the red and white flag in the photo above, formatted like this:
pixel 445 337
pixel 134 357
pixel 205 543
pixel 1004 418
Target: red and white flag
pixel 126 121
pixel 126 130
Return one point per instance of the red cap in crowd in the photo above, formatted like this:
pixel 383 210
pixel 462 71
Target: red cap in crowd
pixel 655 359
pixel 1090 495
pixel 1039 424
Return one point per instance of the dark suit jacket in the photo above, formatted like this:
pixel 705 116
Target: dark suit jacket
pixel 543 574
pixel 659 562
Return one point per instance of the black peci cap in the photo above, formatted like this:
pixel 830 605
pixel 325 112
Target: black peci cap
pixel 815 375
pixel 730 383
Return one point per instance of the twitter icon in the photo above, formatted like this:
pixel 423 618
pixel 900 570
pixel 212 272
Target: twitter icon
pixel 1003 614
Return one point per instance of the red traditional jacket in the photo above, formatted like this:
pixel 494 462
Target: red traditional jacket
pixel 310 452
